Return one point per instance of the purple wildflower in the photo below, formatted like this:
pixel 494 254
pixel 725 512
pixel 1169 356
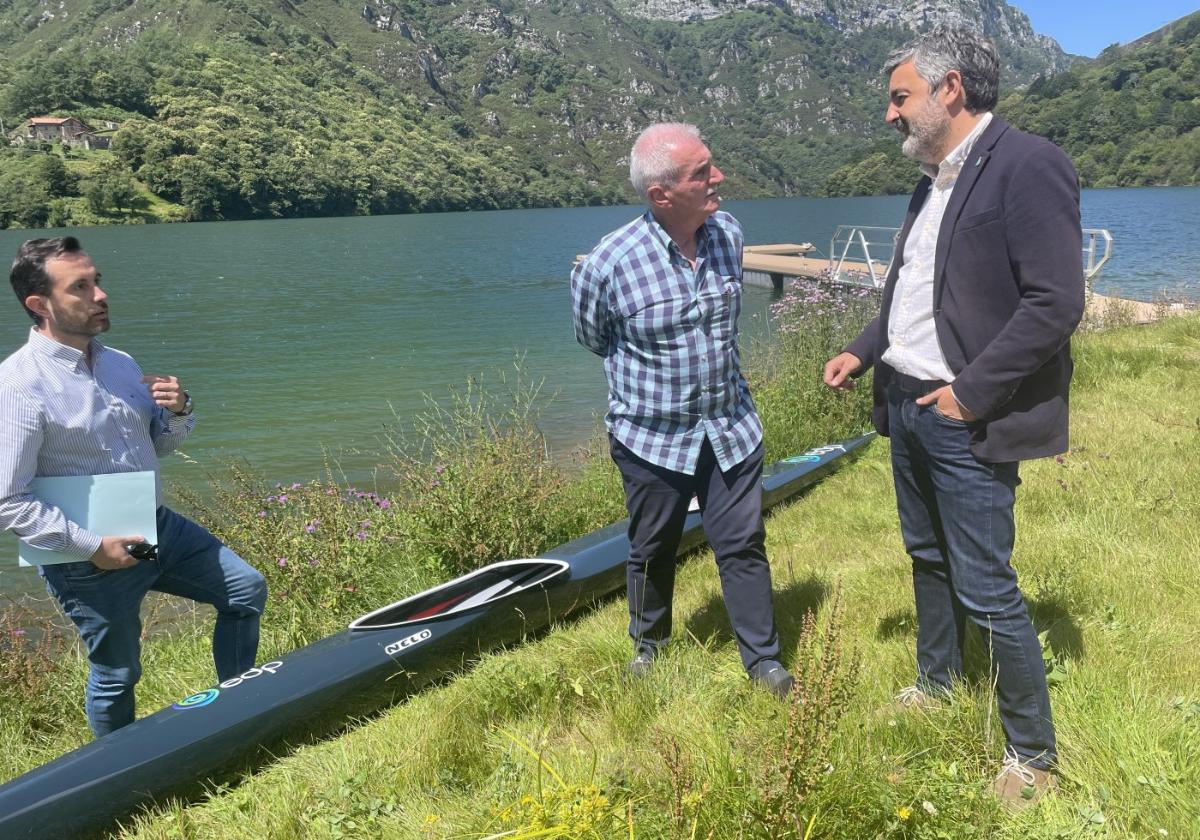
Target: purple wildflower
pixel 262 514
pixel 282 562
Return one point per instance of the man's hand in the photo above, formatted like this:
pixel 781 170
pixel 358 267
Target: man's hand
pixel 839 369
pixel 165 391
pixel 112 554
pixel 943 398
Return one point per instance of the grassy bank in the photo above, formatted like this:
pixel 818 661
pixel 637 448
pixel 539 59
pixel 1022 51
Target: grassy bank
pixel 551 739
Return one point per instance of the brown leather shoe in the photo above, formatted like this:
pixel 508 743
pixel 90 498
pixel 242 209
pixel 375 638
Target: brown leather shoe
pixel 1018 786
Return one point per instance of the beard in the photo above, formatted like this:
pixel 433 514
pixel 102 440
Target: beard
pixel 925 134
pixel 70 322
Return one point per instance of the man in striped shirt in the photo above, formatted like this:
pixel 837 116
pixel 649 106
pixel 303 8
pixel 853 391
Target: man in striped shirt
pixel 658 300
pixel 71 406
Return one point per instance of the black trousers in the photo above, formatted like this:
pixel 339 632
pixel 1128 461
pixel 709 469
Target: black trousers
pixel 657 500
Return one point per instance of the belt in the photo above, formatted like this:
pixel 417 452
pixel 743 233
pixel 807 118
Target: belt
pixel 912 385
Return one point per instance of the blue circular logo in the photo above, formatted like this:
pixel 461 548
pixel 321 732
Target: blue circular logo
pixel 197 700
pixel 802 459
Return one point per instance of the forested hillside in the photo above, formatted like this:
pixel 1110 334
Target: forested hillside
pixel 237 109
pixel 1130 118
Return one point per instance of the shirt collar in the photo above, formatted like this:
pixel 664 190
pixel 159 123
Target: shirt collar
pixel 703 234
pixel 68 357
pixel 954 161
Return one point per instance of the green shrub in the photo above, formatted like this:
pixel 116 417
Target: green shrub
pixel 815 320
pixel 480 484
pixel 826 674
pixel 324 548
pixel 37 693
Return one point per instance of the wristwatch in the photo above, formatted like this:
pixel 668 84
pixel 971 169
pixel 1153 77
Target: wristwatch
pixel 187 406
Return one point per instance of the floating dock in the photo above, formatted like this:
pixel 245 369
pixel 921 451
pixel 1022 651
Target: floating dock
pixel 771 266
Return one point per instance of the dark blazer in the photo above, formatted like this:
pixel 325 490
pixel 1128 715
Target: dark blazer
pixel 1008 294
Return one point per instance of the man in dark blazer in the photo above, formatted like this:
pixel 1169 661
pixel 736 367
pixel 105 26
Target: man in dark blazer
pixel 971 352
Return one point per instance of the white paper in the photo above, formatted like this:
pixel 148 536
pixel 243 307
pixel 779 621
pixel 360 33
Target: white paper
pixel 110 505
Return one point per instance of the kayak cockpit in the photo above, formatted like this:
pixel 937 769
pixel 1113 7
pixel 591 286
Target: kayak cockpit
pixel 478 589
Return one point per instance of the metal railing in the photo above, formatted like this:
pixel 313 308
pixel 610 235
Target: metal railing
pixel 1092 237
pixel 863 264
pixel 847 265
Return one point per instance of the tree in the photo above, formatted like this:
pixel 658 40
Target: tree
pixel 111 189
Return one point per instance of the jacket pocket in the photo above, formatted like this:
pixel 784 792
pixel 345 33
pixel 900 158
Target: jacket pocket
pixel 965 223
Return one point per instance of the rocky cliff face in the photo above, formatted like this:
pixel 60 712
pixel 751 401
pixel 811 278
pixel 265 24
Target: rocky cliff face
pixel 995 18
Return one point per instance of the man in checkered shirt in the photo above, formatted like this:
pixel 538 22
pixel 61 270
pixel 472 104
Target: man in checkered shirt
pixel 658 300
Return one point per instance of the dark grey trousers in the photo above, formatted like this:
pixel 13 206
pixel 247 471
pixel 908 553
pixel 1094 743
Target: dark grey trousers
pixel 657 500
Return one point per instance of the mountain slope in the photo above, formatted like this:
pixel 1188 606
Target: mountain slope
pixel 261 108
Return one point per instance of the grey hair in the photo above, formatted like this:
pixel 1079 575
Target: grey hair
pixel 947 48
pixel 650 160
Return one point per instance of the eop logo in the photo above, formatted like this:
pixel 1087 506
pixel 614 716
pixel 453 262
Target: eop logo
pixel 265 668
pixel 202 698
pixel 414 639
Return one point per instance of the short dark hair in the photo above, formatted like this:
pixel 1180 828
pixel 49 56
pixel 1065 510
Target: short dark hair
pixel 947 48
pixel 28 275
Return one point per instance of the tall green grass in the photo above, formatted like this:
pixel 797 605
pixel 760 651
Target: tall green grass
pixel 552 739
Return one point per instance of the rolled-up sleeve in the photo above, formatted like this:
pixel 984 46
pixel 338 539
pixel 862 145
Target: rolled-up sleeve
pixel 37 523
pixel 590 313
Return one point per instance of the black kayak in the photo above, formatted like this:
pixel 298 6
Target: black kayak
pixel 383 656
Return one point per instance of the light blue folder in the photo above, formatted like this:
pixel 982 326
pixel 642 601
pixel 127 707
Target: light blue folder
pixel 113 505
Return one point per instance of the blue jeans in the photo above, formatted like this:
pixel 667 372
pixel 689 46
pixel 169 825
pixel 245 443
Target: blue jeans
pixel 956 516
pixel 657 500
pixel 106 606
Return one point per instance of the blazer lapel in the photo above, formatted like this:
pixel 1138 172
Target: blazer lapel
pixel 972 168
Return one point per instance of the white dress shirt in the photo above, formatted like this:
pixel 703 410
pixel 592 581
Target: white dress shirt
pixel 60 417
pixel 913 347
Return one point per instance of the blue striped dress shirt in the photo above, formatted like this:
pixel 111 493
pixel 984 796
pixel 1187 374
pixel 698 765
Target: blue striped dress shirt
pixel 668 337
pixel 58 417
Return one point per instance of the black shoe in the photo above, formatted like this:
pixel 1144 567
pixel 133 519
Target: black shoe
pixel 776 680
pixel 642 663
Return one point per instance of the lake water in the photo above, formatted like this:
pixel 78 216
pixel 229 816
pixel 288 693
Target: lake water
pixel 302 337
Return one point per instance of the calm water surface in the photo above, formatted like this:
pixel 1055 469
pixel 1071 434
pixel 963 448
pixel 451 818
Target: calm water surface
pixel 302 337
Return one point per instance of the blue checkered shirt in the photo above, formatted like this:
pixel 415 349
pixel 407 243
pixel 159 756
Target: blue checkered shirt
pixel 668 337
